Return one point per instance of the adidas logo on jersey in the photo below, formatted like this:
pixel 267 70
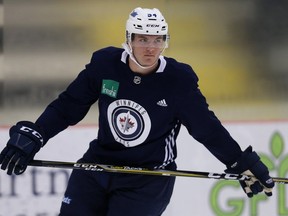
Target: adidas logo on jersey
pixel 162 103
pixel 66 200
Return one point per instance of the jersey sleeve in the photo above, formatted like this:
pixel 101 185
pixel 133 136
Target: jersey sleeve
pixel 72 104
pixel 201 123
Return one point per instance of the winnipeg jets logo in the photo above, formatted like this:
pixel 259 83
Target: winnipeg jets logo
pixel 126 122
pixel 129 122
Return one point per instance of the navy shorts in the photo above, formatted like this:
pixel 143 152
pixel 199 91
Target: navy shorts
pixel 92 193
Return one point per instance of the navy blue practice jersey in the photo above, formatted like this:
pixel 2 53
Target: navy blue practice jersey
pixel 139 115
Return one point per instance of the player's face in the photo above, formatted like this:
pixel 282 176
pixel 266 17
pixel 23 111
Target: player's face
pixel 147 48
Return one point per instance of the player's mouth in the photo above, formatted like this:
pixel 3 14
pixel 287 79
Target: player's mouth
pixel 149 56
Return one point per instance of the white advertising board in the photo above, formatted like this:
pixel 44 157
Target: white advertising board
pixel 38 192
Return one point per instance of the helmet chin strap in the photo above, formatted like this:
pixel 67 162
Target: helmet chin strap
pixel 128 49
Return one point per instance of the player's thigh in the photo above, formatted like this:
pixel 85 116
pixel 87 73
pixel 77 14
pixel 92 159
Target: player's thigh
pixel 146 196
pixel 84 195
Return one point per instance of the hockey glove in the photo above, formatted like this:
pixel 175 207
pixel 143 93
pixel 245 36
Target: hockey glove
pixel 25 141
pixel 250 164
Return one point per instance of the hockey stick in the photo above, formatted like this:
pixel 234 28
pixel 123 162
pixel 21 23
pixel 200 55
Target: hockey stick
pixel 144 171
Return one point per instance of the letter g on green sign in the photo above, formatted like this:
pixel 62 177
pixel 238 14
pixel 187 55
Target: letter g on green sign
pixel 236 205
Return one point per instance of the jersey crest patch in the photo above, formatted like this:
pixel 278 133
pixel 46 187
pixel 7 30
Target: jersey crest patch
pixel 129 122
pixel 110 88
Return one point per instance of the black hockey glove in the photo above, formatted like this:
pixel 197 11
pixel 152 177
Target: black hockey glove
pixel 250 164
pixel 25 141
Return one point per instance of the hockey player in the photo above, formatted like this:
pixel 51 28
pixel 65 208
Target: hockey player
pixel 143 99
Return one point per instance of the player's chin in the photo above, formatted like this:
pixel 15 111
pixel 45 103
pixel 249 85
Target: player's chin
pixel 148 64
pixel 150 61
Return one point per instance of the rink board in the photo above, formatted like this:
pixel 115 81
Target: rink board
pixel 38 192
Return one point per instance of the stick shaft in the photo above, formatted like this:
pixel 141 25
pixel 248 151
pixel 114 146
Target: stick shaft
pixel 144 171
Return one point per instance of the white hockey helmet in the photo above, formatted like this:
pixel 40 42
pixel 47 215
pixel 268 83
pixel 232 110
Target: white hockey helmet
pixel 146 21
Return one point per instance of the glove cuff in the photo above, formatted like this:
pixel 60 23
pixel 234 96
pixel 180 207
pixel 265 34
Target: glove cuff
pixel 30 130
pixel 247 160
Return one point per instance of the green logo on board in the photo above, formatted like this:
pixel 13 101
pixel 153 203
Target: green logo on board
pixel 276 161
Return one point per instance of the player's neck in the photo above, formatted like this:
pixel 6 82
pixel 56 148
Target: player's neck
pixel 142 70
